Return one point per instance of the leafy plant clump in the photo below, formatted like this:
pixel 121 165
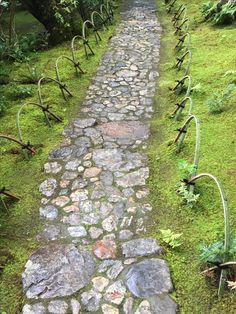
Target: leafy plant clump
pixel 214 253
pixel 21 92
pixel 216 103
pixel 31 75
pixel 186 169
pixel 189 197
pixel 219 14
pixel 171 238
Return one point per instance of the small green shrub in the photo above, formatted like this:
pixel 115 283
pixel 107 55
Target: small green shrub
pixel 224 14
pixel 214 253
pixel 31 75
pixel 208 9
pixel 21 92
pixel 185 169
pixel 216 103
pixel 22 45
pixel 171 238
pixel 189 197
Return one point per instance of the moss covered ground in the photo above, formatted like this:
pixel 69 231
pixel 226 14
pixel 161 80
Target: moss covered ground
pixel 213 50
pixel 19 226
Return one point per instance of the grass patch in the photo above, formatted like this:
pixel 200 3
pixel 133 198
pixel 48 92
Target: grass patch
pixel 19 227
pixel 213 50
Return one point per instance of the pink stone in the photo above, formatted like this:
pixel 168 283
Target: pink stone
pixel 105 249
pixel 125 129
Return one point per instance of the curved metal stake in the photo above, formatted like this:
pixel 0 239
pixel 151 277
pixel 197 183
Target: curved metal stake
pixel 181 40
pixel 95 13
pixel 180 84
pixel 226 210
pixel 84 33
pixel 76 65
pixel 45 111
pixel 179 27
pixel 180 62
pixel 62 87
pixel 181 137
pixel 171 5
pixel 180 107
pixel 24 146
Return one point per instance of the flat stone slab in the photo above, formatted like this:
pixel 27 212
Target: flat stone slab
pixel 149 278
pixel 57 271
pixel 140 247
pixel 125 129
pixel 163 304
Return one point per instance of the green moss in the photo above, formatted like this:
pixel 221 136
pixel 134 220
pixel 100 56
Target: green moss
pixel 19 228
pixel 213 54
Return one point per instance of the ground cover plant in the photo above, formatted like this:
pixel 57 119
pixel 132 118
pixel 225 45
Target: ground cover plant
pixel 203 224
pixel 17 225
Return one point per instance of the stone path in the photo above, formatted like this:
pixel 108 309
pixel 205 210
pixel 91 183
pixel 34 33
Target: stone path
pixel 94 255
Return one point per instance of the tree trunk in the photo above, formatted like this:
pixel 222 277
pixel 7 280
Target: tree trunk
pixel 60 24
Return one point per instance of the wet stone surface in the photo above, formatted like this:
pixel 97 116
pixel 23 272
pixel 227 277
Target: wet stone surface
pixel 94 254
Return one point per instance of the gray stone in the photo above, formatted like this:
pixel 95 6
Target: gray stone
pixel 109 309
pixel 57 271
pixel 38 308
pixel 128 305
pixel 79 195
pixel 48 187
pixel 136 178
pixel 115 293
pixel 91 300
pixel 115 270
pixel 75 306
pixel 50 233
pixel 144 308
pixel 163 304
pixel 77 232
pixel 109 159
pixel 100 283
pixel 109 224
pixel 106 178
pixel 72 165
pixel 86 206
pixel 149 278
pixel 61 153
pixel 119 209
pixel 52 167
pixel 125 235
pixel 49 212
pixel 57 307
pixel 84 123
pixel 141 247
pixel 95 232
pixel 103 267
pixel 68 175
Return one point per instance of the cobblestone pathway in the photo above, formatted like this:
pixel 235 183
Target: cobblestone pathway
pixel 94 255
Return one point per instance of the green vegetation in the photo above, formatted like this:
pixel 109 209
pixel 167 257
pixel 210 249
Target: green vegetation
pixel 19 227
pixel 219 14
pixel 212 70
pixel 171 238
pixel 216 103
